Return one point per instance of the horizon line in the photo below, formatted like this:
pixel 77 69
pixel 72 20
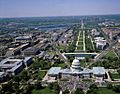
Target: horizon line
pixel 59 16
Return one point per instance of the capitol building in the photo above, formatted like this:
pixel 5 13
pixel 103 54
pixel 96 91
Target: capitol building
pixel 77 70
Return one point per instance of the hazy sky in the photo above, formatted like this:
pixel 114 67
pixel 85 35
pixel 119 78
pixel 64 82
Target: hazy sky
pixel 31 8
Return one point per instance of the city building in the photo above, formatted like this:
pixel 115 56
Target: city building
pixel 27 61
pixel 3 76
pixel 3 50
pixel 100 42
pixel 23 39
pixel 13 66
pixel 111 31
pixel 94 32
pixel 16 50
pixel 63 41
pixel 55 36
pixel 31 51
pixel 118 39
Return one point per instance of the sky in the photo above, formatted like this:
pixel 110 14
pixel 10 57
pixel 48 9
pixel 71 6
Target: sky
pixel 38 8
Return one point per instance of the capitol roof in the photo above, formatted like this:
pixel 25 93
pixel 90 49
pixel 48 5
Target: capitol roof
pixel 86 70
pixel 98 70
pixel 54 70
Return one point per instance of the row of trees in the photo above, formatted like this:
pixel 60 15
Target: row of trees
pixel 109 63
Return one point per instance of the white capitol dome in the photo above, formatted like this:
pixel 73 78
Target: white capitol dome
pixel 75 65
pixel 76 62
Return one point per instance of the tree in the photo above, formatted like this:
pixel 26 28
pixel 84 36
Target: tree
pixel 50 85
pixel 56 87
pixel 16 88
pixel 7 87
pixel 87 58
pixel 28 89
pixel 0 90
pixel 93 89
pixel 109 86
pixel 117 88
pixel 93 86
pixel 17 79
pixel 66 91
pixel 25 75
pixel 38 85
pixel 79 91
pixel 118 71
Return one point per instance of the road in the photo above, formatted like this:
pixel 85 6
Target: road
pixel 84 41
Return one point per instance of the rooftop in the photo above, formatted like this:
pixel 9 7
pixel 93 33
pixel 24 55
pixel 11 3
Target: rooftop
pixel 9 61
pixel 31 49
pixel 27 58
pixel 23 37
pixel 54 70
pixel 1 74
pixel 98 70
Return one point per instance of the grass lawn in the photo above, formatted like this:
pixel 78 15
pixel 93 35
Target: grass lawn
pixel 81 33
pixel 83 64
pixel 61 47
pixel 51 52
pixel 79 48
pixel 106 91
pixel 80 37
pixel 43 91
pixel 80 43
pixel 115 76
pixel 41 74
pixel 87 80
pixel 80 40
pixel 62 65
pixel 88 43
pixel 110 54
